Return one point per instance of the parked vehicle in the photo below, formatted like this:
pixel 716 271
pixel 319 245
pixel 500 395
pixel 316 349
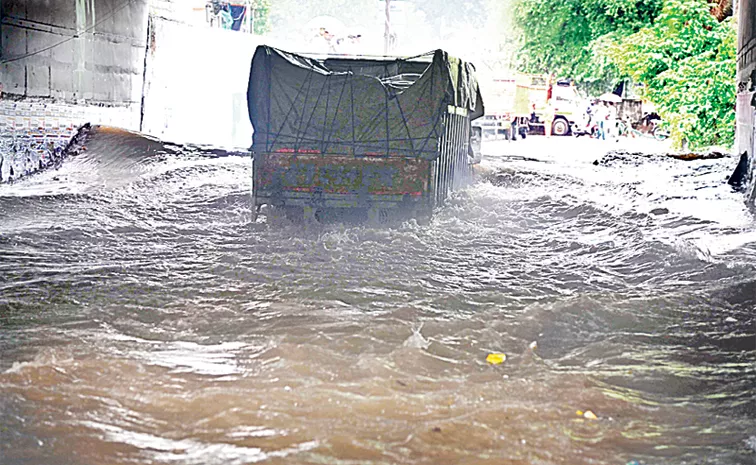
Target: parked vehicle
pixel 649 126
pixel 368 136
pixel 565 102
pixel 507 109
pixel 660 133
pixel 516 105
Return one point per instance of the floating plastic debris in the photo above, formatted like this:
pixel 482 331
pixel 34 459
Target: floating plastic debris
pixel 416 340
pixel 751 442
pixel 587 414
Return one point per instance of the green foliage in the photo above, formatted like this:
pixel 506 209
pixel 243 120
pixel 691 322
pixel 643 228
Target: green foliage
pixel 261 16
pixel 676 48
pixel 686 60
pixel 567 37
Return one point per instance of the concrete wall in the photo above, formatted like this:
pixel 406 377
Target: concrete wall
pixel 34 132
pixel 175 78
pixel 64 63
pixel 746 79
pixel 74 50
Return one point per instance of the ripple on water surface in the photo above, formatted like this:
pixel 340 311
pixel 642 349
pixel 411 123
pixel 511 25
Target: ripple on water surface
pixel 143 319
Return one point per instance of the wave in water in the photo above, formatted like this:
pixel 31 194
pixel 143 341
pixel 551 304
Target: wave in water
pixel 144 318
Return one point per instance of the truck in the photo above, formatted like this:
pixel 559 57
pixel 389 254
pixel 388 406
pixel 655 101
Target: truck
pixel 565 101
pixel 516 103
pixel 507 105
pixel 363 137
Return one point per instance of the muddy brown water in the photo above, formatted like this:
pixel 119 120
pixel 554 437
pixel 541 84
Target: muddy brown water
pixel 145 320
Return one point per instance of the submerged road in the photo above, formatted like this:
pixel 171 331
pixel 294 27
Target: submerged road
pixel 145 320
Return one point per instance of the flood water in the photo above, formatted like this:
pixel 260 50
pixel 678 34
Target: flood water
pixel 144 319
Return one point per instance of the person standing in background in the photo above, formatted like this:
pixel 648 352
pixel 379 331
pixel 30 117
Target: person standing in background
pixel 611 120
pixel 601 115
pixel 548 116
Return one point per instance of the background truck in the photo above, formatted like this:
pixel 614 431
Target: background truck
pixel 516 103
pixel 566 101
pixel 507 105
pixel 368 137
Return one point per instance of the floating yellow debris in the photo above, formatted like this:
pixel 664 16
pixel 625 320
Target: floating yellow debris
pixel 496 359
pixel 587 414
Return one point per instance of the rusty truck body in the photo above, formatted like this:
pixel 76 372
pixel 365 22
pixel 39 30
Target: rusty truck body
pixel 374 136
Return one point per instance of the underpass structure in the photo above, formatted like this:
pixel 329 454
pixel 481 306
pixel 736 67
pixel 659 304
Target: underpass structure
pixel 139 65
pixel 746 101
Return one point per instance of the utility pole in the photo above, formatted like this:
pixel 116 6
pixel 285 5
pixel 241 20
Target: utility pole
pixel 250 19
pixel 387 29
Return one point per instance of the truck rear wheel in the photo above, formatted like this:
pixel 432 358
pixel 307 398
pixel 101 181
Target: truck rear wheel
pixel 560 127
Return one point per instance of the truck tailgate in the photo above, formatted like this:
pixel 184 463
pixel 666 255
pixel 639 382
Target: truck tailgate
pixel 279 173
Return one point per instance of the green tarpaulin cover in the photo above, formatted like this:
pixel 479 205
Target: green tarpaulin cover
pixel 356 106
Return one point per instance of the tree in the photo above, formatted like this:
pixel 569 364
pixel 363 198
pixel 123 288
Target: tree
pixel 686 60
pixel 260 11
pixel 567 37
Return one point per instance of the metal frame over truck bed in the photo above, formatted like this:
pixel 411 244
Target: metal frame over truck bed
pixel 370 135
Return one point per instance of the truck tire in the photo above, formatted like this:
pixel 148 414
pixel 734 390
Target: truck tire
pixel 560 127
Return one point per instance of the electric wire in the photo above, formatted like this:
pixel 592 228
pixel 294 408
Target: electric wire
pixel 75 36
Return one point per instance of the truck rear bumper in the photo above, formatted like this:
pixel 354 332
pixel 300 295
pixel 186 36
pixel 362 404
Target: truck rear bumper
pixel 339 200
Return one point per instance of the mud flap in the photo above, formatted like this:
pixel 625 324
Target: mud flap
pixel 739 178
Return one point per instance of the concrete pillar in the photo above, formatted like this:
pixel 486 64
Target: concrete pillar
pixel 746 100
pixel 80 51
